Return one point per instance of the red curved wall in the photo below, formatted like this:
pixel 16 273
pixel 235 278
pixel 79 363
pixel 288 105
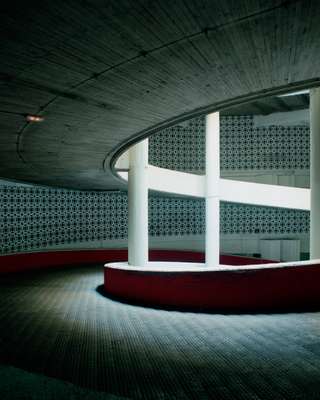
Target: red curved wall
pixel 295 287
pixel 38 260
pixel 270 288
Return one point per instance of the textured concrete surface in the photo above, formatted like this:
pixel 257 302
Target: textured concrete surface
pixel 17 384
pixel 103 74
pixel 56 324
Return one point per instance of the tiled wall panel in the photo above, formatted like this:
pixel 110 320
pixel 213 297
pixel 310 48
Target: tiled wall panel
pixel 33 218
pixel 243 146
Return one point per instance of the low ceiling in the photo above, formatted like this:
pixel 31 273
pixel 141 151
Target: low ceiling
pixel 270 105
pixel 103 73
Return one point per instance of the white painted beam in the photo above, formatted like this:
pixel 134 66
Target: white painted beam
pixel 265 195
pixel 176 182
pixel 181 183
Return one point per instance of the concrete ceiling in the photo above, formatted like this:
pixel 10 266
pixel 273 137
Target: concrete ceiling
pixel 270 105
pixel 103 73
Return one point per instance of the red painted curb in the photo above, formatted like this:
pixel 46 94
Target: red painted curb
pixel 256 289
pixel 46 259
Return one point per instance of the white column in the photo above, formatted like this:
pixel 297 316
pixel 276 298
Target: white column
pixel 212 189
pixel 138 205
pixel 315 173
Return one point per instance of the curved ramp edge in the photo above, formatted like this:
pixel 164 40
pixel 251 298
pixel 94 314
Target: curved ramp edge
pixel 272 287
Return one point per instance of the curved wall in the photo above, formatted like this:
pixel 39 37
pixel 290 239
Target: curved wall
pixel 245 149
pixel 35 218
pixel 48 259
pixel 284 286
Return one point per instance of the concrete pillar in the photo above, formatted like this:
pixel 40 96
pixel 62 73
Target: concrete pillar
pixel 315 173
pixel 138 205
pixel 212 189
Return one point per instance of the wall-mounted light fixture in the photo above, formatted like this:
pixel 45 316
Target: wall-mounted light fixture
pixel 34 118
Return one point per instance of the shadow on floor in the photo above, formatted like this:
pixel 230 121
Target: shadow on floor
pixel 61 325
pixel 253 311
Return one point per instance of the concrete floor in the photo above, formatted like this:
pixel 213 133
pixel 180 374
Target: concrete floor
pixel 55 324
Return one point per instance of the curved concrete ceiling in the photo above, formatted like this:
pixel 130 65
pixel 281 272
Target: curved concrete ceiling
pixel 103 73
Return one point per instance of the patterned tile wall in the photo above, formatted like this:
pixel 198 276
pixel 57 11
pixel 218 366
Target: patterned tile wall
pixel 33 218
pixel 245 219
pixel 181 148
pixel 243 146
